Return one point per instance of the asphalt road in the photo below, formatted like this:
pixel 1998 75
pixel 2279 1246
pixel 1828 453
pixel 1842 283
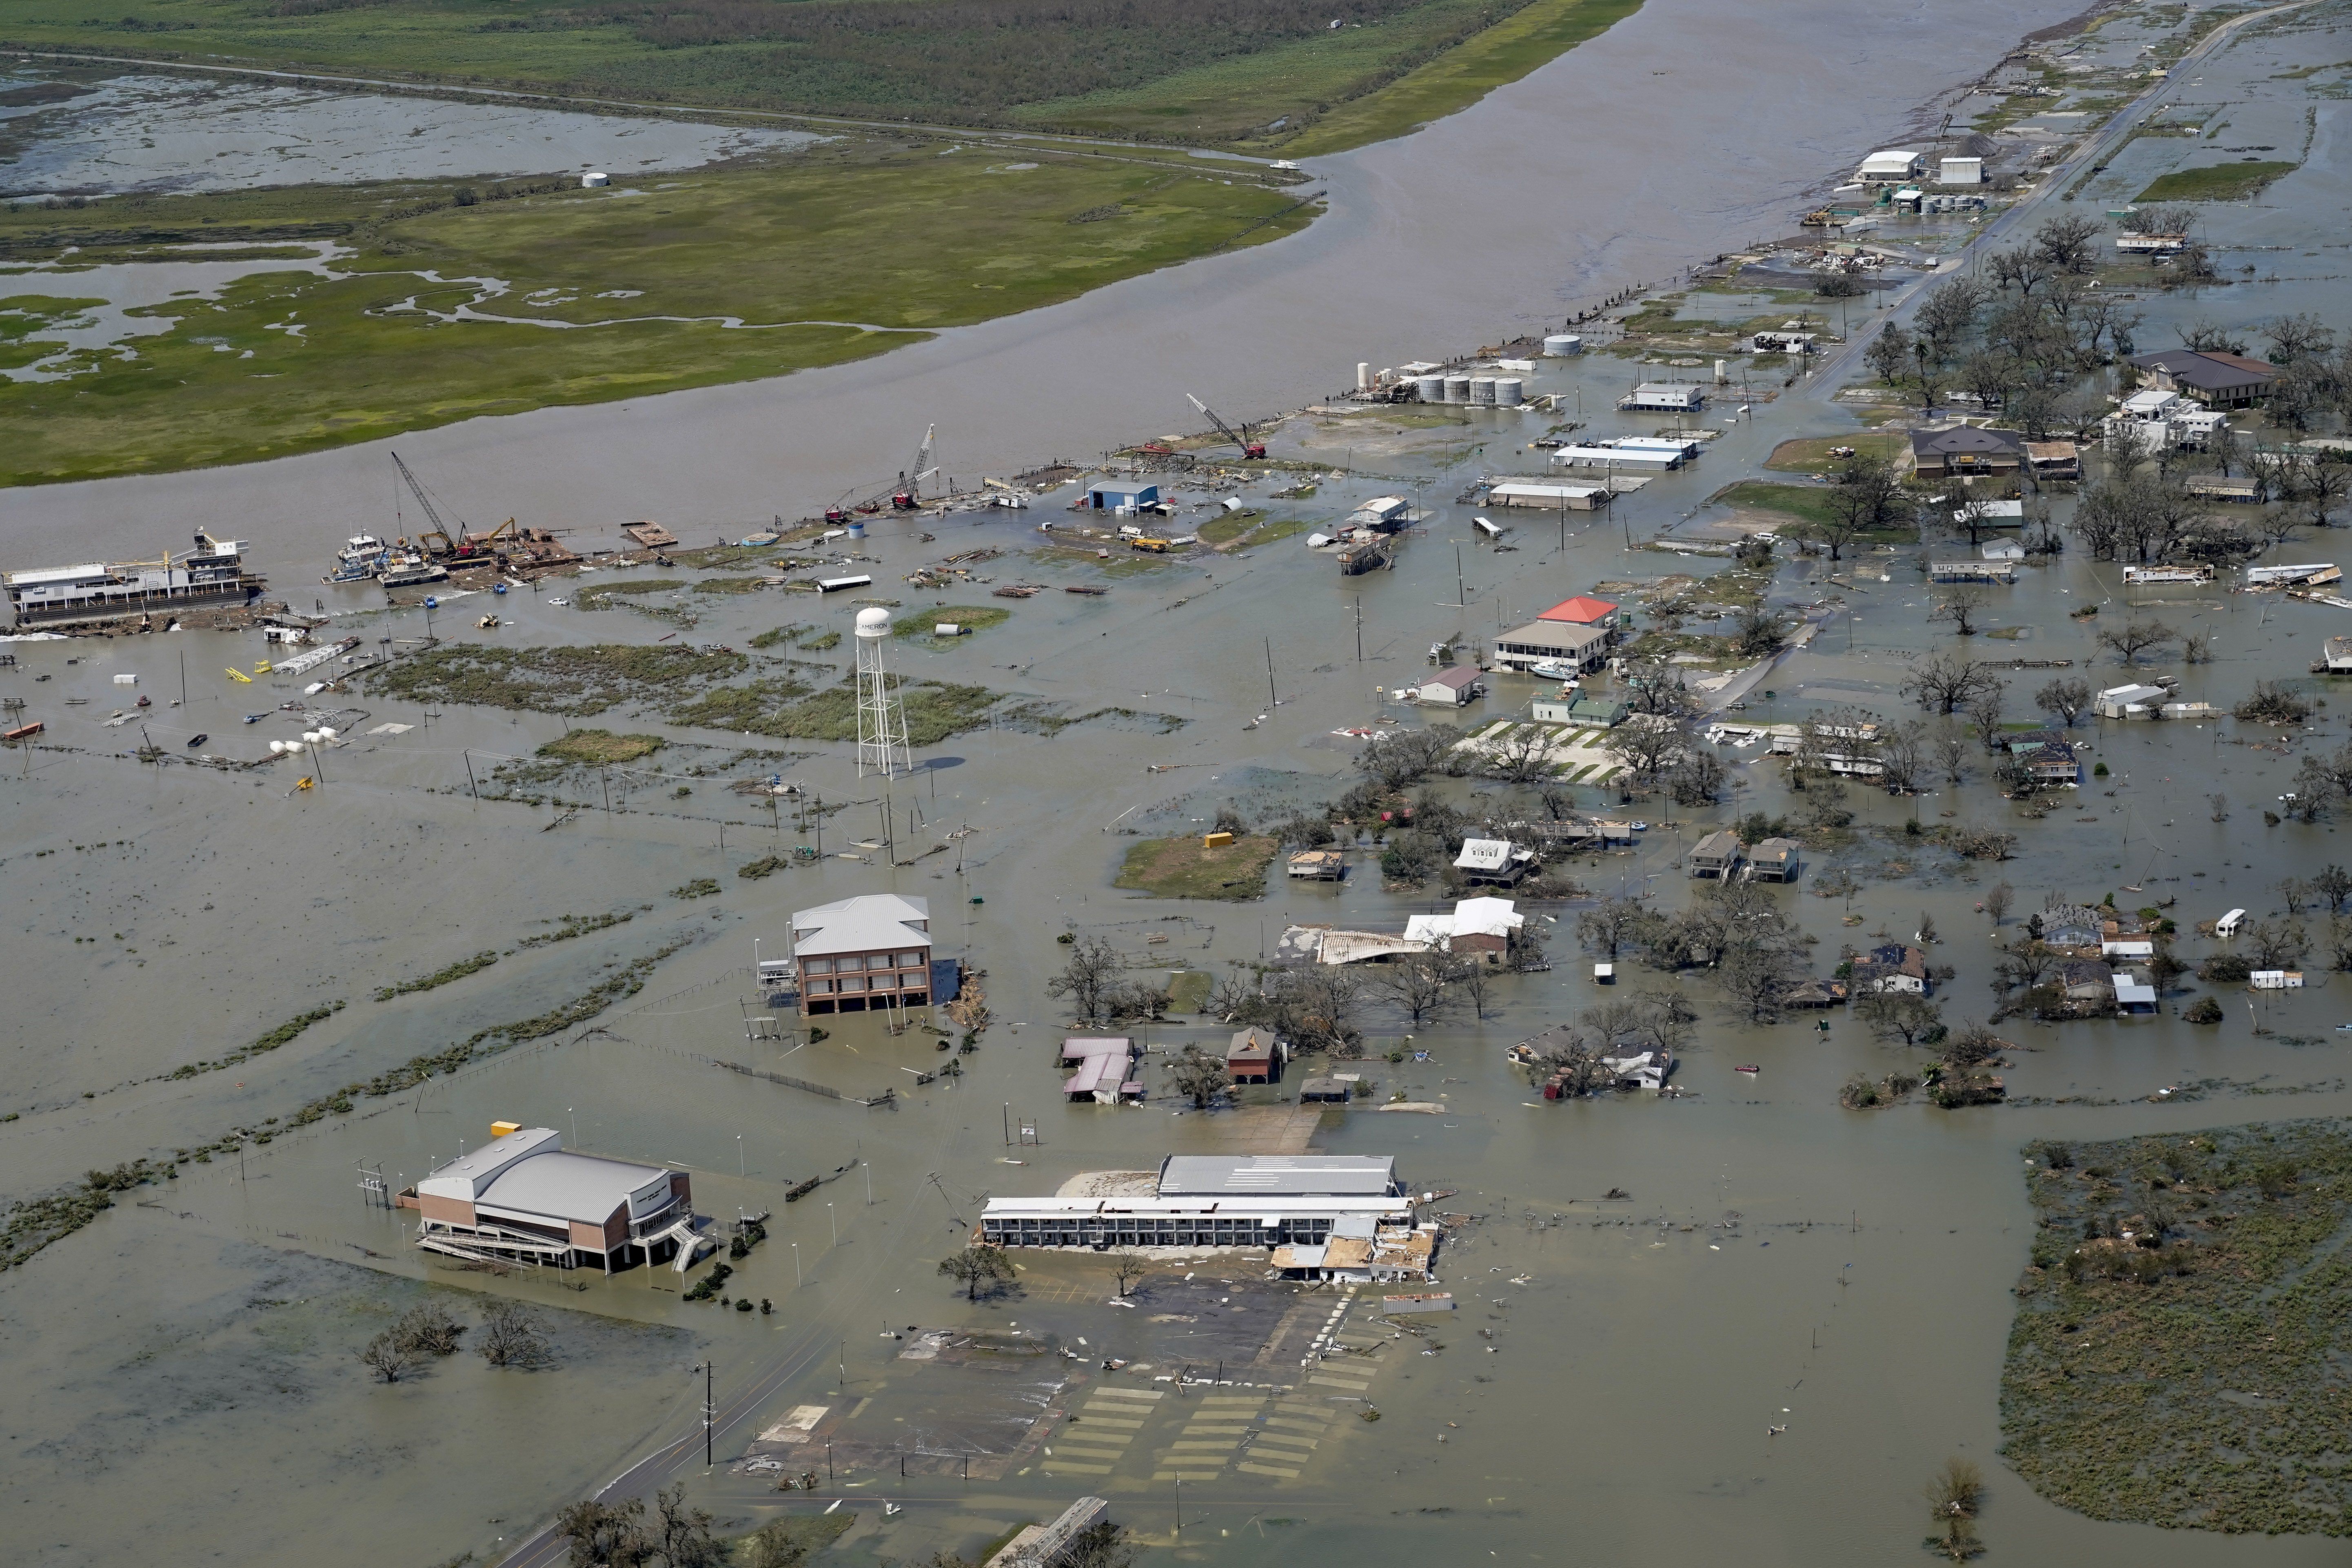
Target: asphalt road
pixel 1831 376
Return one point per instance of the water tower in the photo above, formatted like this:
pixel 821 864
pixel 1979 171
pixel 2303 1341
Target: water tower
pixel 881 717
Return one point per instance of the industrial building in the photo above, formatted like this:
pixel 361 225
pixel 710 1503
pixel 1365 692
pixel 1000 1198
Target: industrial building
pixel 1207 1200
pixel 210 575
pixel 861 954
pixel 1894 166
pixel 1556 496
pixel 1122 495
pixel 522 1198
pixel 1664 397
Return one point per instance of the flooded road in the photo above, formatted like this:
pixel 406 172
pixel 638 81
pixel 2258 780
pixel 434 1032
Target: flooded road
pixel 1776 1262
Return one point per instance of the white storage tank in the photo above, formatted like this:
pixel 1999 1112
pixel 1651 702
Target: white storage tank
pixel 1509 392
pixel 1430 388
pixel 1482 390
pixel 1561 344
pixel 1363 375
pixel 593 178
pixel 1457 389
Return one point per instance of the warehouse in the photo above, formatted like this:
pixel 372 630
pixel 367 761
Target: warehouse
pixel 522 1198
pixel 1206 1200
pixel 1569 498
pixel 1665 397
pixel 1122 495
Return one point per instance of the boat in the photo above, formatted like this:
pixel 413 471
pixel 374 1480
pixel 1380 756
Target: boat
pixel 408 568
pixel 1748 1068
pixel 361 558
pixel 199 740
pixel 1552 669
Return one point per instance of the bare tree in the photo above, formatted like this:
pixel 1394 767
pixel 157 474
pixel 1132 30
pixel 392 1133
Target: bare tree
pixel 1998 901
pixel 1984 717
pixel 2333 883
pixel 1609 925
pixel 2136 637
pixel 1127 1266
pixel 1416 984
pixel 1898 1015
pixel 2294 338
pixel 2065 699
pixel 1960 605
pixel 1944 684
pixel 1089 978
pixel 2220 804
pixel 1645 749
pixel 1697 777
pixel 1901 751
pixel 1198 1077
pixel 386 1357
pixel 1478 983
pixel 514 1335
pixel 2065 243
pixel 1865 493
pixel 1947 743
pixel 2295 892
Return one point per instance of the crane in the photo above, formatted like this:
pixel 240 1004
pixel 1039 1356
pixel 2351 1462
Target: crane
pixel 910 495
pixel 440 530
pixel 1249 448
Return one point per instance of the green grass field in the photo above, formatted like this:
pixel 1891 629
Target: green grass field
pixel 2215 182
pixel 1193 71
pixel 292 361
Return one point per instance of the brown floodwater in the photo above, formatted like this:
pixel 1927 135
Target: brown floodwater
pixel 184 1368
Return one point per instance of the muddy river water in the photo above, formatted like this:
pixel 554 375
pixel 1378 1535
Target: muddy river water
pixel 184 1367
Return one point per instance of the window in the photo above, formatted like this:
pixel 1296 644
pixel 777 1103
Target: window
pixel 855 983
pixel 910 960
pixel 818 988
pixel 877 961
pixel 816 966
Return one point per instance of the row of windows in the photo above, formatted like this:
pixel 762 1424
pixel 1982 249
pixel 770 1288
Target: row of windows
pixel 853 963
pixel 1125 1230
pixel 861 983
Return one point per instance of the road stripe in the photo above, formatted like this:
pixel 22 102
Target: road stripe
pixel 1057 1468
pixel 1095 1420
pixel 1339 1382
pixel 1287 1440
pixel 1130 1393
pixel 1288 1475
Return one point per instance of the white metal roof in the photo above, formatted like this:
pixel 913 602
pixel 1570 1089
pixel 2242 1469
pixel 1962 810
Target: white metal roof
pixel 1485 917
pixel 862 924
pixel 41 576
pixel 468 1175
pixel 1484 854
pixel 1277 1175
pixel 568 1186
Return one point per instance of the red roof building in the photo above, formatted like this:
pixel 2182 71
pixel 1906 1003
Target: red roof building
pixel 1583 610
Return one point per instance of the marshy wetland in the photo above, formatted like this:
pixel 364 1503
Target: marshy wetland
pixel 1741 1321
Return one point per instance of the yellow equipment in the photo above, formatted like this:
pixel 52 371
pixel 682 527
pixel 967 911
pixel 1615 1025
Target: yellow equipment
pixel 240 674
pixel 1157 546
pixel 261 668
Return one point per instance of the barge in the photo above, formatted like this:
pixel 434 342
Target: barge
pixel 211 575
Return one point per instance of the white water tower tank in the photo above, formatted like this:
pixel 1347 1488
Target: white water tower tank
pixel 1561 344
pixel 1430 388
pixel 1363 375
pixel 1482 390
pixel 1457 389
pixel 874 623
pixel 1509 392
pixel 593 179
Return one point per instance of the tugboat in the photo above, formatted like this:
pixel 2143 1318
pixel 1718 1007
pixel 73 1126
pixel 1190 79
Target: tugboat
pixel 403 569
pixel 361 557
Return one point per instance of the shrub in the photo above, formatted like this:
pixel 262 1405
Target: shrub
pixel 2204 1010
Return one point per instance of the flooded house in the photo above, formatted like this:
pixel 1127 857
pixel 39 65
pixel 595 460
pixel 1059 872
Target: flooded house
pixel 1107 1074
pixel 2216 380
pixel 1719 855
pixel 1361 1250
pixel 1495 861
pixel 1774 861
pixel 861 954
pixel 1962 449
pixel 1892 967
pixel 2069 925
pixel 1254 1056
pixel 1458 686
pixel 1477 928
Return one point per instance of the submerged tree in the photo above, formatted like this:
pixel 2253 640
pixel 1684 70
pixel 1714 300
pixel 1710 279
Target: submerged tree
pixel 975 1266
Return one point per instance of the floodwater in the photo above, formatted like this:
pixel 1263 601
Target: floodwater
pixel 164 915
pixel 156 132
pixel 1623 161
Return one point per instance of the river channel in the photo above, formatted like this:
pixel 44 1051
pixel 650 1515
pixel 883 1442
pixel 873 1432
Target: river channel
pixel 183 1369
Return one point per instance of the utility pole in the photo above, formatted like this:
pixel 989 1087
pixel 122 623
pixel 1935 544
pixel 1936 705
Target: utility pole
pixel 183 681
pixel 1272 701
pixel 469 775
pixel 1359 631
pixel 709 1415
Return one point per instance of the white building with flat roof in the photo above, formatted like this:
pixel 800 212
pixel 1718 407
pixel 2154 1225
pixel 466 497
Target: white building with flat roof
pixel 1207 1200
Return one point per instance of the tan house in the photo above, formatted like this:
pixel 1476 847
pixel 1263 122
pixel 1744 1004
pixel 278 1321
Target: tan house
pixel 862 954
pixel 1254 1056
pixel 1718 855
